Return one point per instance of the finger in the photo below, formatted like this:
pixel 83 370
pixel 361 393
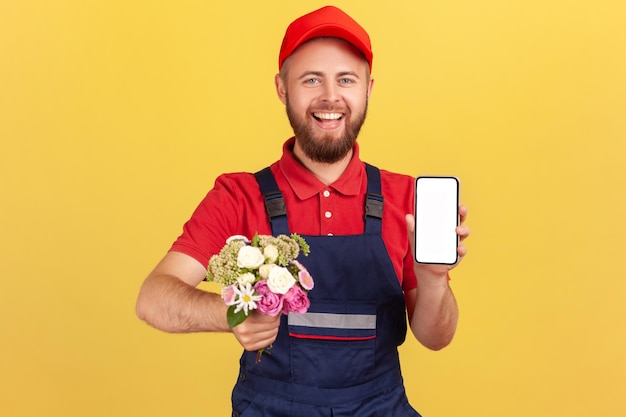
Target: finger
pixel 410 223
pixel 463 232
pixel 256 323
pixel 257 343
pixel 261 324
pixel 462 214
pixel 462 251
pixel 410 227
pixel 253 338
pixel 263 318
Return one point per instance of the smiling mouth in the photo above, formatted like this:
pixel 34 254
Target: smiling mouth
pixel 330 117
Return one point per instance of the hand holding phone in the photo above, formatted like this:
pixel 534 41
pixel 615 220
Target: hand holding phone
pixel 436 219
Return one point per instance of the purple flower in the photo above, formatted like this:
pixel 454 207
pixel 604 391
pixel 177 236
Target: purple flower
pixel 295 300
pixel 270 303
pixel 305 279
pixel 229 294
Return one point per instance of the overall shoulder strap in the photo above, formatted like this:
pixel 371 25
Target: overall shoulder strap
pixel 277 211
pixel 374 201
pixel 274 202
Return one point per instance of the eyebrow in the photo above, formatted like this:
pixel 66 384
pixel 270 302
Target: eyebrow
pixel 321 74
pixel 352 73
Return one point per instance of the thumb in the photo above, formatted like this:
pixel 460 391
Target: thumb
pixel 410 228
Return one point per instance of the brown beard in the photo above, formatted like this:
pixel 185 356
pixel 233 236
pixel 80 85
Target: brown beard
pixel 325 148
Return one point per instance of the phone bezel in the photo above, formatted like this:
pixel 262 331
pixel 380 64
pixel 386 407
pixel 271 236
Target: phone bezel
pixel 451 260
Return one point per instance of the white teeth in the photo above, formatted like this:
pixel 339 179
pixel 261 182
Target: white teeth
pixel 328 116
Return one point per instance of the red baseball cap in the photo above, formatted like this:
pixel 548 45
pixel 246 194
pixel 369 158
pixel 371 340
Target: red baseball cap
pixel 327 21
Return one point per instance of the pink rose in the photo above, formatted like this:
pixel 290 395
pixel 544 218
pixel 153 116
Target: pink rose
pixel 270 304
pixel 295 300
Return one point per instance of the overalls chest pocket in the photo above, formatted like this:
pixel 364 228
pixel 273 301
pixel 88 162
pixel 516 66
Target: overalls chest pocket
pixel 333 344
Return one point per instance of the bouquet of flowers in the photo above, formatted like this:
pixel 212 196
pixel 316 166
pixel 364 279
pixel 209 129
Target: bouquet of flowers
pixel 261 274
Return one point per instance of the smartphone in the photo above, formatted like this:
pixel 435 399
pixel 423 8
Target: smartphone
pixel 436 219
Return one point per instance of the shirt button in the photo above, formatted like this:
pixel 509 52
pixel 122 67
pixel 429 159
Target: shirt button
pixel 326 193
pixel 328 214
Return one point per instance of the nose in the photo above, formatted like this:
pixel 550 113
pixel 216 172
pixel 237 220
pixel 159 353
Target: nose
pixel 330 93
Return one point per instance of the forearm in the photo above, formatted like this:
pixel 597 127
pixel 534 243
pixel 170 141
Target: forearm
pixel 436 313
pixel 169 304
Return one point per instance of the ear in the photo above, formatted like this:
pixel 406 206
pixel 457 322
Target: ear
pixel 281 89
pixel 370 88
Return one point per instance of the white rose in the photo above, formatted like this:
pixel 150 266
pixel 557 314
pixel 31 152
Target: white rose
pixel 247 278
pixel 250 257
pixel 264 270
pixel 280 280
pixel 271 253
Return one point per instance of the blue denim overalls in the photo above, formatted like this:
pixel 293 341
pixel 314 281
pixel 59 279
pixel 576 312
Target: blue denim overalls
pixel 339 359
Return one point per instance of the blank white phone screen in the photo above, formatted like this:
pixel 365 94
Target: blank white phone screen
pixel 436 218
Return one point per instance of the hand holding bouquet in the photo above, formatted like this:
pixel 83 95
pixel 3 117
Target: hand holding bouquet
pixel 263 275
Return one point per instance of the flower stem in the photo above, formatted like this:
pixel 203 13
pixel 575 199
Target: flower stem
pixel 260 352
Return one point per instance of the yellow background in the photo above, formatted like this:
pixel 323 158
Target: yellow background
pixel 116 117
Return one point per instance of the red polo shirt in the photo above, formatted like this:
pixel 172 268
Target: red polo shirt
pixel 235 207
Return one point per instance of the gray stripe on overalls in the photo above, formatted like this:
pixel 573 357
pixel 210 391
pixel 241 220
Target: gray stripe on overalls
pixel 337 321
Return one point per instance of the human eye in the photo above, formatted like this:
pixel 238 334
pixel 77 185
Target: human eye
pixel 311 78
pixel 346 81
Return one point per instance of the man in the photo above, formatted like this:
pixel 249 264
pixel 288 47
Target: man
pixel 331 364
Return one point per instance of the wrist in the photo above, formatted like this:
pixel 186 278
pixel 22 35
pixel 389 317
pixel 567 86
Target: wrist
pixel 434 279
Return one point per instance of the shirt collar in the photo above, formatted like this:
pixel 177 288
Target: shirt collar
pixel 305 184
